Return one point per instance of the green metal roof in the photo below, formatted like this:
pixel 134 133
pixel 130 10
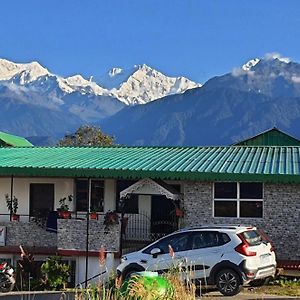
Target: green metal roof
pixel 13 140
pixel 271 137
pixel 268 164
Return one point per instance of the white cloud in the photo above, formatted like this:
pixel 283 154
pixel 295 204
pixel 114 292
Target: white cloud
pixel 240 71
pixel 296 79
pixel 16 88
pixel 273 55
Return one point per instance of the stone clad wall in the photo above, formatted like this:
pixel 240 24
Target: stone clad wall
pixel 28 234
pixel 72 235
pixel 281 211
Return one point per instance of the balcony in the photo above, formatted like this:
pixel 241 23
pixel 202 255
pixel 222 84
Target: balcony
pixel 71 235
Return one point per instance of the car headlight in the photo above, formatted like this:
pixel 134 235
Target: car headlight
pixel 123 258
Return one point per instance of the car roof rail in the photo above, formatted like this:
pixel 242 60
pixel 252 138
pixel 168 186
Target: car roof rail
pixel 216 226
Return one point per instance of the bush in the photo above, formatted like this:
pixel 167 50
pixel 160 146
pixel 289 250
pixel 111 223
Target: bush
pixel 55 273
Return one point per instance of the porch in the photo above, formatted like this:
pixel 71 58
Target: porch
pixel 157 215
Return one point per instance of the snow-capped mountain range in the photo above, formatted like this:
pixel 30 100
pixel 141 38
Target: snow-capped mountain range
pixel 139 85
pixel 262 93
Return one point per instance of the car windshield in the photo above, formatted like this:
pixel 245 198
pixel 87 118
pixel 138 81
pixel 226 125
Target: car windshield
pixel 253 237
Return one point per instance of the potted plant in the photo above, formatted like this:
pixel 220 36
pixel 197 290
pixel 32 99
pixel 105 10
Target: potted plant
pixel 93 213
pixel 12 206
pixel 111 218
pixel 63 209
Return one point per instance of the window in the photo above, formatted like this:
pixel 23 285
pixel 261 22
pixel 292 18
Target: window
pixel 205 239
pixel 238 199
pixel 97 195
pixel 131 204
pixel 41 197
pixel 179 242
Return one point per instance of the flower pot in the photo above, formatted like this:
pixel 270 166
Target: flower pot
pixel 93 216
pixel 15 217
pixel 64 214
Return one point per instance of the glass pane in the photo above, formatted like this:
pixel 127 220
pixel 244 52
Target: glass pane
pixel 251 190
pixel 205 239
pixel 251 209
pixel 97 195
pixel 225 209
pixel 252 237
pixel 179 242
pixel 81 195
pixel 226 190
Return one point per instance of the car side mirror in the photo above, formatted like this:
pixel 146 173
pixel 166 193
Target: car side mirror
pixel 155 252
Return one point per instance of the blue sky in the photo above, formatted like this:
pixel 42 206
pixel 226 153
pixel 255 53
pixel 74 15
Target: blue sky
pixel 194 38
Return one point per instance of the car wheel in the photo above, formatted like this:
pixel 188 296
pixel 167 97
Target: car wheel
pixel 228 282
pixel 126 275
pixel 6 283
pixel 259 282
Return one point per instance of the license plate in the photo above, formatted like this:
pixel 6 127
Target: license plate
pixel 265 258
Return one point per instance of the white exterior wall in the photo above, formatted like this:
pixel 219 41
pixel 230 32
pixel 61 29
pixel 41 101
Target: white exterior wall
pixel 109 194
pixel 21 188
pixel 62 188
pixel 95 269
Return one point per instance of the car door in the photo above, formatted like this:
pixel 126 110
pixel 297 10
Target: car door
pixel 173 253
pixel 206 249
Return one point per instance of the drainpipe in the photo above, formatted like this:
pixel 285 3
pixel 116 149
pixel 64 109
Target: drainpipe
pixel 11 192
pixel 87 233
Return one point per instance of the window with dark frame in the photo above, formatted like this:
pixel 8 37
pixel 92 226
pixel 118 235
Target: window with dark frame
pixel 97 195
pixel 238 199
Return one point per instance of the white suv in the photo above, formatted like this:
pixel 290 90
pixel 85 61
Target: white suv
pixel 226 255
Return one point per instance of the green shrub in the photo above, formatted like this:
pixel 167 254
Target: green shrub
pixel 55 273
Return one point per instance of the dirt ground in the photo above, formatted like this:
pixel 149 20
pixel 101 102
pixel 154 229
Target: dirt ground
pixel 252 294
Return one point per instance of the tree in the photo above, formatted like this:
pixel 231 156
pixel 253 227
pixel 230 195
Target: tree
pixel 87 135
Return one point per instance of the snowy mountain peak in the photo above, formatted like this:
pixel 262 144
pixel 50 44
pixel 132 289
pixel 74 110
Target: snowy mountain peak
pixel 78 83
pixel 146 84
pixel 77 80
pixel 26 72
pixel 250 64
pixel 115 71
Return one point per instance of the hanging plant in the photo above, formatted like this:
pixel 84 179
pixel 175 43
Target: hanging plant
pixel 111 218
pixel 179 212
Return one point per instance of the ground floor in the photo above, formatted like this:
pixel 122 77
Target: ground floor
pixel 147 209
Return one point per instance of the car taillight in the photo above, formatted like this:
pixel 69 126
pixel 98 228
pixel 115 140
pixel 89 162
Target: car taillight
pixel 243 248
pixel 3 265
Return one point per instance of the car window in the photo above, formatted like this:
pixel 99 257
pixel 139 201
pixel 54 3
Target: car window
pixel 179 242
pixel 205 239
pixel 253 237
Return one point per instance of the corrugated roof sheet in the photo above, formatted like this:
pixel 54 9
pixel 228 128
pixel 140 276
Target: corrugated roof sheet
pixel 270 163
pixel 14 140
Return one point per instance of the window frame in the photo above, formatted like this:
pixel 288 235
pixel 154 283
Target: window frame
pixel 89 182
pixel 237 199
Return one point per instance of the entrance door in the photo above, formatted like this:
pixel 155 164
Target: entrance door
pixel 163 219
pixel 41 199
